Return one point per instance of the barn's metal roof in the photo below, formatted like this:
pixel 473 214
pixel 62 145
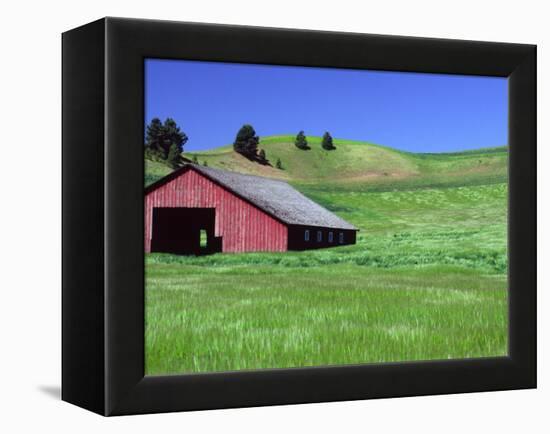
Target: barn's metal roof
pixel 273 196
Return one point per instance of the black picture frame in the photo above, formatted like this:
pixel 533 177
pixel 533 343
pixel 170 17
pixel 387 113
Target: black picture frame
pixel 103 258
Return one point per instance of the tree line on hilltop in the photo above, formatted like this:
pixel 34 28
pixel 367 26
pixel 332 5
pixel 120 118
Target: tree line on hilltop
pixel 165 141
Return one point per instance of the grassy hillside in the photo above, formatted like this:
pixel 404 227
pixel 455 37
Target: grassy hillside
pixel 426 279
pixel 356 165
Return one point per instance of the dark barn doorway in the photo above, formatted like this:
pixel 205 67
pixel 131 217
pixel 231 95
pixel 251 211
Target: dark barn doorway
pixel 184 231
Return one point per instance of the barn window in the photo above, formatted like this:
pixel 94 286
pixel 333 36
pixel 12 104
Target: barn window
pixel 341 237
pixel 330 237
pixel 306 235
pixel 319 236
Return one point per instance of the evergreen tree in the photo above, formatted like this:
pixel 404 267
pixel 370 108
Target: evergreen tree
pixel 173 135
pixel 195 159
pixel 301 142
pixel 327 142
pixel 246 141
pixel 205 163
pixel 279 164
pixel 160 137
pixel 153 135
pixel 261 154
pixel 174 156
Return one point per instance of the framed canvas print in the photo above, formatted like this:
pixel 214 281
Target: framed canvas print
pixel 257 216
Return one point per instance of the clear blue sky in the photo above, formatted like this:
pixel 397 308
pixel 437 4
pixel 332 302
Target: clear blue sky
pixel 210 101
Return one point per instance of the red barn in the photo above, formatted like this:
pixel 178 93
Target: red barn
pixel 199 209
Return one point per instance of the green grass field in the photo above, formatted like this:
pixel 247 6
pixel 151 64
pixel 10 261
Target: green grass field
pixel 426 279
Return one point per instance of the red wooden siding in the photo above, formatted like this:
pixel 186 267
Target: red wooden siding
pixel 244 227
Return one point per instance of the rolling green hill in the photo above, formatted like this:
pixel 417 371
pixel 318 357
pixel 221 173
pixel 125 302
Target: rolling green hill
pixel 355 165
pixel 426 280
